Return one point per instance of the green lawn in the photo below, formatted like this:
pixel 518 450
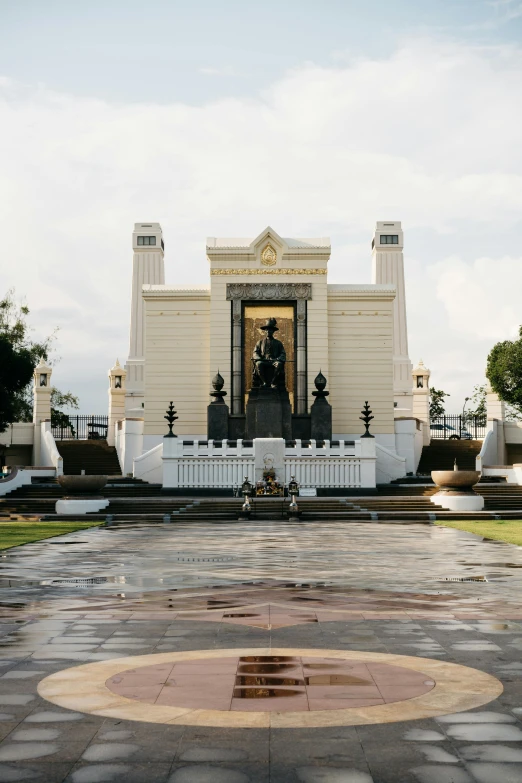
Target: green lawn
pixel 16 533
pixel 509 530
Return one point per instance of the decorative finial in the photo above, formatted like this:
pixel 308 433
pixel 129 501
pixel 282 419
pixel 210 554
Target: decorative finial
pixel 171 418
pixel 366 418
pixel 218 383
pixel 320 385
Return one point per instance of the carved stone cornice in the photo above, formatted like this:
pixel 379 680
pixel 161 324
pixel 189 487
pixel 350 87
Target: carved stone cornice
pixel 278 271
pixel 269 291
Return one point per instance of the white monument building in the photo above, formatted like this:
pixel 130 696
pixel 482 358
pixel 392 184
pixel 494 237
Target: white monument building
pixel 356 335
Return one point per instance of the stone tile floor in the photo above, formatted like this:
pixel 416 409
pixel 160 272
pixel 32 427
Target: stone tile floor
pixel 173 588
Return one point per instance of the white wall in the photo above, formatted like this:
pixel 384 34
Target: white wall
pixel 360 339
pixel 177 342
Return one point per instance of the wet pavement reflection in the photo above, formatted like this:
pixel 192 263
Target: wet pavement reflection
pixel 105 594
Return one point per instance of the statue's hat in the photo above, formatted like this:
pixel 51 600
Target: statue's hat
pixel 271 325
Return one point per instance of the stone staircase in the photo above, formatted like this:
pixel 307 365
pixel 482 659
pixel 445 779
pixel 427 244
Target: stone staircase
pixel 95 457
pixel 441 455
pixel 133 501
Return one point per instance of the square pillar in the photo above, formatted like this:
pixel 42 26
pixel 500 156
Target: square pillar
pixel 41 405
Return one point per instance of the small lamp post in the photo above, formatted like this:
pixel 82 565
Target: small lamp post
pixel 247 489
pixel 293 490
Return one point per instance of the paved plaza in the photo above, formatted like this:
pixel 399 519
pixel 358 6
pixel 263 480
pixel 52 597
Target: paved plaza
pixel 266 652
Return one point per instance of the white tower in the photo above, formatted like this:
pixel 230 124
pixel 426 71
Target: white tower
pixel 147 268
pixel 388 267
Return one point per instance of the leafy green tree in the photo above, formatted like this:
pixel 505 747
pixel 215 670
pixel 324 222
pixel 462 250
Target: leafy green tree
pixel 17 371
pixel 437 397
pixel 478 406
pixel 59 400
pixel 504 371
pixel 19 355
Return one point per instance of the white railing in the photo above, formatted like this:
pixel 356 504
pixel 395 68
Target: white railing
pixel 214 472
pixel 128 441
pixel 324 471
pixel 149 466
pixel 21 476
pixel 390 466
pixel 309 448
pixel 200 464
pixel 49 451
pixel 215 448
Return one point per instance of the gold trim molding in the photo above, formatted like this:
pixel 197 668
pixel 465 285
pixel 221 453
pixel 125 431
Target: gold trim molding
pixel 268 271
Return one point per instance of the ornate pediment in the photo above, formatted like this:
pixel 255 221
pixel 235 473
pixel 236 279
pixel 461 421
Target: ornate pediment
pixel 268 255
pixel 269 291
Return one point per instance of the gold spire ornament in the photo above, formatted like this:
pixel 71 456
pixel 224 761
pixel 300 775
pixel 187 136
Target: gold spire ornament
pixel 268 256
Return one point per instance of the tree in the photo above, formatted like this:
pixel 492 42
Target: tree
pixel 17 371
pixel 478 400
pixel 437 397
pixel 60 400
pixel 504 371
pixel 19 355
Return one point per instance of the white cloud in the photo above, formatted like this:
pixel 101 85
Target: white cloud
pixel 429 135
pixel 481 298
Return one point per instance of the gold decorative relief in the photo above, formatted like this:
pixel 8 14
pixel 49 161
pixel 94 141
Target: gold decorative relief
pixel 278 271
pixel 268 256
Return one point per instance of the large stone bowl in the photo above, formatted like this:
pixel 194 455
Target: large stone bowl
pixel 78 486
pixel 455 482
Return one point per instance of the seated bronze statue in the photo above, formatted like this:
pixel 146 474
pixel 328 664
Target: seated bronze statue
pixel 269 359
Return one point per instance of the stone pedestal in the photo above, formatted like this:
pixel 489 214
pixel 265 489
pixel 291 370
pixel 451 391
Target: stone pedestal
pixel 269 454
pixel 80 505
pixel 466 501
pixel 217 421
pixel 268 414
pixel 321 420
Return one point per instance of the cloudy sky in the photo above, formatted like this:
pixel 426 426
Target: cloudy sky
pixel 317 117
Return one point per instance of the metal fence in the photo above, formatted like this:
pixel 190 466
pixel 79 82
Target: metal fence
pixel 458 427
pixel 80 427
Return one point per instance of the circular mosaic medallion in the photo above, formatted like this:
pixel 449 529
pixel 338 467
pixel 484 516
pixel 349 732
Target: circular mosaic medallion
pixel 270 687
pixel 275 683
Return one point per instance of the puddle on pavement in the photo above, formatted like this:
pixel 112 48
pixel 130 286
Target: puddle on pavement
pixel 241 615
pixel 100 773
pixel 265 668
pixel 48 716
pixel 265 693
pixel 16 699
pixel 264 681
pixel 268 659
pixel 207 774
pixel 495 753
pixel 484 732
pixel 27 750
pixel 322 666
pixel 496 773
pixel 437 773
pixel 109 752
pixel 332 775
pixel 336 679
pixel 436 754
pixel 35 735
